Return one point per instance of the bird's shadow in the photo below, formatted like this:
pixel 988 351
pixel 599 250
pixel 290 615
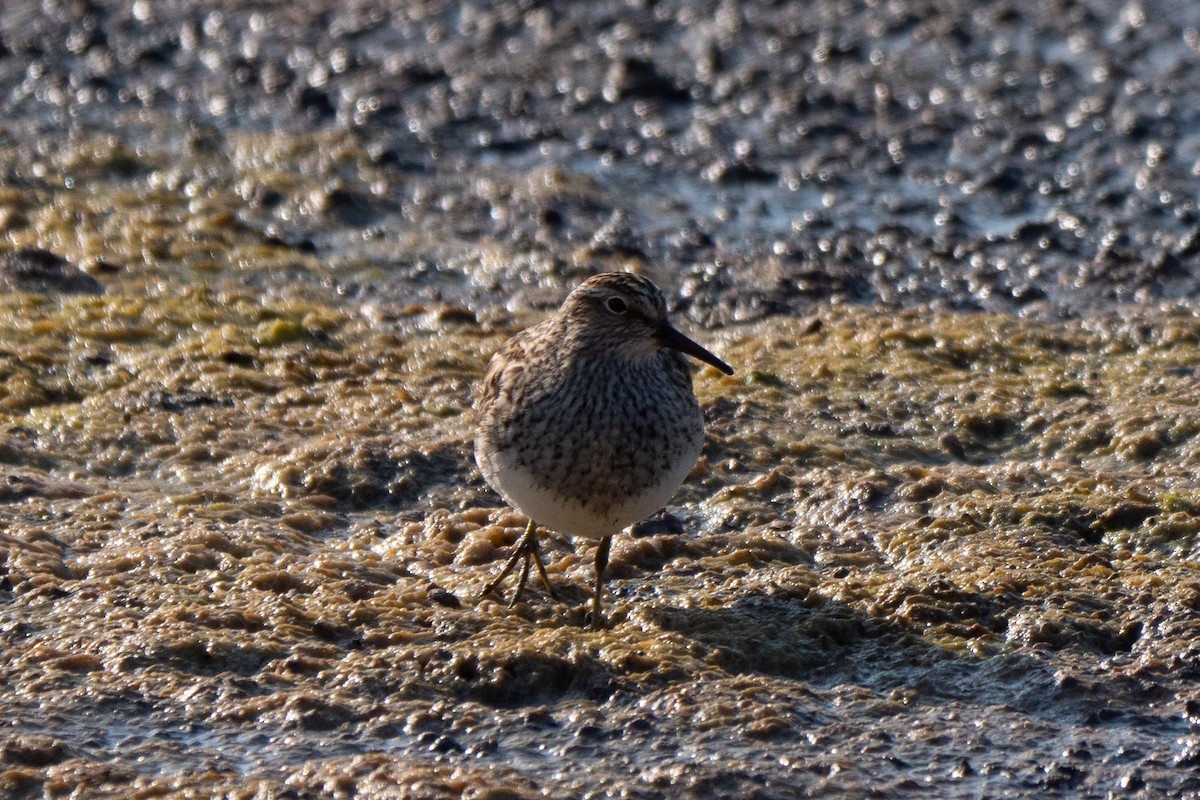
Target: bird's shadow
pixel 826 643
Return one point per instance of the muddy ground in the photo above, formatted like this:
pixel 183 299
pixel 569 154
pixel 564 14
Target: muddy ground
pixel 942 540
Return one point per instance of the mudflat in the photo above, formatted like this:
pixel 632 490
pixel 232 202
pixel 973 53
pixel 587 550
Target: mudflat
pixel 942 538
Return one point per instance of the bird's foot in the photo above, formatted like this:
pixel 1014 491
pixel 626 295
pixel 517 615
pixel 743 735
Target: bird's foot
pixel 526 553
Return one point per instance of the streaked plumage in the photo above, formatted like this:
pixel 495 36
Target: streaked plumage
pixel 587 421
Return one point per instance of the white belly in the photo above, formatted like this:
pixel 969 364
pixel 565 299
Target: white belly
pixel 600 518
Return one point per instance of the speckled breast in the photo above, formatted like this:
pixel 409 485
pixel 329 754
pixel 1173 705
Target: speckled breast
pixel 599 449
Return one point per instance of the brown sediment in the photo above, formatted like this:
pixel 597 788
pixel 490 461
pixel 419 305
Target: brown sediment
pixel 927 550
pixel 278 554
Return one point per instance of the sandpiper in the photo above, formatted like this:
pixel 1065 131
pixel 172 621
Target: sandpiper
pixel 587 422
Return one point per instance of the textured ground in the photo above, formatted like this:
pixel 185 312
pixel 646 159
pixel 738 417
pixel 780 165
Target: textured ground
pixel 943 537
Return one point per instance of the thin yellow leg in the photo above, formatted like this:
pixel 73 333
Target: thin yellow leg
pixel 601 564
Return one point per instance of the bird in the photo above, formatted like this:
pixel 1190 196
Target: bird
pixel 587 422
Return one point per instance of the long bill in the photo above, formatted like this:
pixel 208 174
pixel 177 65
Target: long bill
pixel 669 337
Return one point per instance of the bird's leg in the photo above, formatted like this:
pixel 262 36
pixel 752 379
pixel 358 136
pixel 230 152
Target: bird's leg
pixel 526 550
pixel 537 561
pixel 524 576
pixel 529 546
pixel 601 563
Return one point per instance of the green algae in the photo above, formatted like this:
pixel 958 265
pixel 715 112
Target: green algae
pixel 211 388
pixel 233 489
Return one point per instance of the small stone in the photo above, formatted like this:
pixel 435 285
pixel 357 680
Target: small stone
pixel 31 269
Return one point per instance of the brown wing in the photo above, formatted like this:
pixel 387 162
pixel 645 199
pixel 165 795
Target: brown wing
pixel 509 360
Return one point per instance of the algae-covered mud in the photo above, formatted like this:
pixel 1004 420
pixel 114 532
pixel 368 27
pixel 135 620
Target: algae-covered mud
pixel 943 537
pixel 243 553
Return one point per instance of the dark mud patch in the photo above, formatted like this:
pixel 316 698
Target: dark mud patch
pixel 1027 157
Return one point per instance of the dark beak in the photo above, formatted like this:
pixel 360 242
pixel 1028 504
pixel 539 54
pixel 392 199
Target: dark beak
pixel 669 337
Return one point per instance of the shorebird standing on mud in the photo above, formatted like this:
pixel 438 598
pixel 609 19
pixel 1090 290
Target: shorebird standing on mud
pixel 588 422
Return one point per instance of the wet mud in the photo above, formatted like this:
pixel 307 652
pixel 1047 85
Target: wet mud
pixel 942 539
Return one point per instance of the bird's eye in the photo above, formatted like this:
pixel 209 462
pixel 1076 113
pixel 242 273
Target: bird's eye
pixel 616 305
